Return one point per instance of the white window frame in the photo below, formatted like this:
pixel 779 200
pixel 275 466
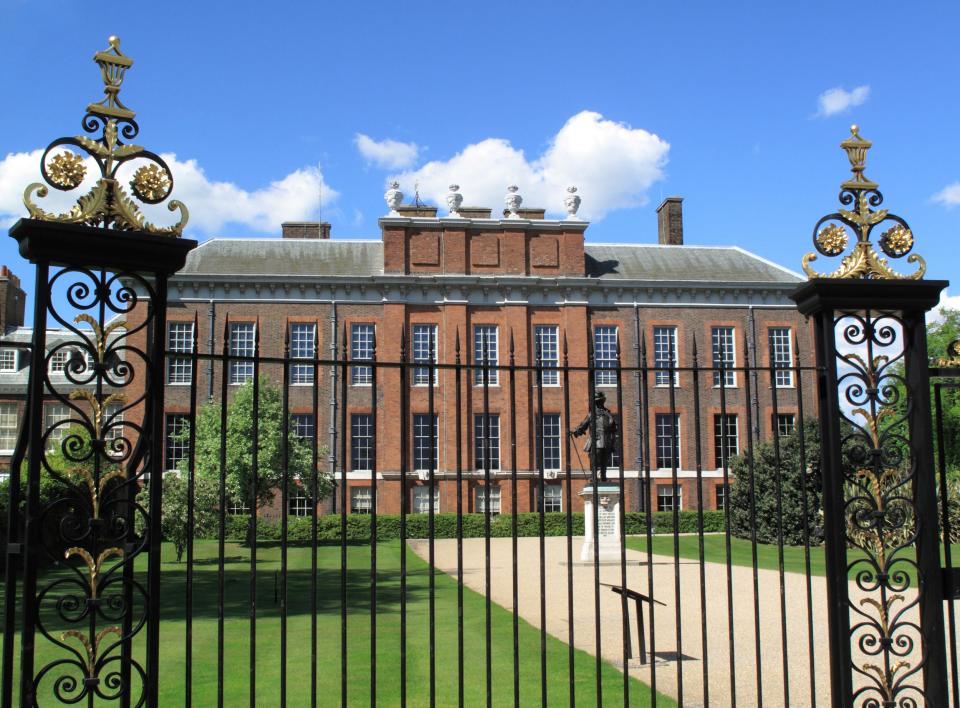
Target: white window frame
pixel 303 339
pixel 665 355
pixel 361 500
pixel 420 499
pixel 489 358
pixel 179 339
pixel 550 430
pixel 676 498
pixel 237 508
pixel 724 344
pixel 493 441
pixel 726 428
pixel 552 498
pixel 114 417
pixel 54 413
pixel 300 504
pixel 421 449
pixel 9 427
pixel 361 430
pixel 781 355
pixel 780 429
pixel 304 425
pixel 481 499
pixel 425 350
pixel 8 361
pixel 243 338
pixel 172 426
pixel 58 360
pixel 605 349
pixel 660 432
pixel 362 338
pixel 546 347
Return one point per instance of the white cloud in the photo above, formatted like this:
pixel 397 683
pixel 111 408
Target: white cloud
pixel 947 302
pixel 212 205
pixel 949 196
pixel 388 154
pixel 837 100
pixel 612 165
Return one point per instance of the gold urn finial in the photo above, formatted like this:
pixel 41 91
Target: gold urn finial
pixel 107 204
pixel 856 148
pixel 831 235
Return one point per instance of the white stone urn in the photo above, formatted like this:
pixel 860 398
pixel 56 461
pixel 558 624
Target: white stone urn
pixel 454 200
pixel 572 204
pixel 513 201
pixel 393 197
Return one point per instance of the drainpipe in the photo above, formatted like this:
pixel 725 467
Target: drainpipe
pixel 332 427
pixel 756 382
pixel 211 324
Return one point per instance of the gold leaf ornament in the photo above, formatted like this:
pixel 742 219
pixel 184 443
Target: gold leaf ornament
pixel 832 240
pixel 66 170
pixel 897 241
pixel 150 183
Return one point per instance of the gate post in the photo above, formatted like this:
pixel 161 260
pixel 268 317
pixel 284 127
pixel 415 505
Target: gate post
pixel 94 265
pixel 884 583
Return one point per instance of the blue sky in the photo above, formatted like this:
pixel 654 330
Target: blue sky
pixel 722 104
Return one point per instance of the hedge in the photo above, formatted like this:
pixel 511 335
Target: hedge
pixel 445 526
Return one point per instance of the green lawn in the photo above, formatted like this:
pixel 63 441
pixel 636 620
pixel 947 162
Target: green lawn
pixel 741 552
pixel 237 668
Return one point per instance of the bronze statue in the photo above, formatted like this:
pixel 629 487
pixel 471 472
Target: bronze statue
pixel 603 424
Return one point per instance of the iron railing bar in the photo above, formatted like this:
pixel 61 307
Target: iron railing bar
pixel 153 345
pixel 344 393
pixel 753 535
pixel 568 468
pixel 675 482
pixel 618 440
pixel 221 540
pixel 487 495
pixel 698 455
pixel 191 491
pixel 514 581
pixel 804 501
pixel 404 510
pixel 314 532
pixel 595 487
pixel 432 461
pixel 774 401
pixel 947 551
pixel 458 375
pixel 540 530
pixel 285 505
pixel 373 527
pixel 254 478
pixel 725 464
pixel 644 370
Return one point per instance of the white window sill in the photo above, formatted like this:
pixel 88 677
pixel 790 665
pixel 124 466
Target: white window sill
pixel 363 385
pixel 179 383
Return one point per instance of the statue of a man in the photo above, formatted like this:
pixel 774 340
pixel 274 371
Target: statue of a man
pixel 605 427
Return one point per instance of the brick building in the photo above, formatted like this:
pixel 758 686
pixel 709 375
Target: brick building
pixel 489 282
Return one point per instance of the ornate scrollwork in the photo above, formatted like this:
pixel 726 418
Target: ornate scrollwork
pixel 879 508
pixel 830 234
pixel 107 203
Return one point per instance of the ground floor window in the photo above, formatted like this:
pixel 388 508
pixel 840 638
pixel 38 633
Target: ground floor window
pixel 299 504
pixel 494 493
pixel 552 497
pixel 421 500
pixel 669 497
pixel 786 424
pixel 723 493
pixel 361 500
pixel 237 508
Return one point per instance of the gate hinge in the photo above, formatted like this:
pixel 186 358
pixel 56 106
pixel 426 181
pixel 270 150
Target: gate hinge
pixel 951 583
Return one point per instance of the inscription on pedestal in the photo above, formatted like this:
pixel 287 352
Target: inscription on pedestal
pixel 607 521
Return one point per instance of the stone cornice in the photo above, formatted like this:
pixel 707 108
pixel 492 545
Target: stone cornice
pixel 454 224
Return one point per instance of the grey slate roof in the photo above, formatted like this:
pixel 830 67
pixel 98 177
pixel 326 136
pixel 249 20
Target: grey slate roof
pixel 276 256
pixel 724 264
pixel 647 262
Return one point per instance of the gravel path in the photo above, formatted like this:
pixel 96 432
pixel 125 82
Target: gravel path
pixel 748 652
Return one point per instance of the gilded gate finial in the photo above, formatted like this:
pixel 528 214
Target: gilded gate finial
pixel 831 237
pixel 107 204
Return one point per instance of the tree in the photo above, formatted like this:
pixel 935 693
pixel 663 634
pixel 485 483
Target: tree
pixel 793 476
pixel 174 518
pixel 238 448
pixel 939 335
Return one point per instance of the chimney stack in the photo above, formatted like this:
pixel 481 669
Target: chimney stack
pixel 12 301
pixel 305 229
pixel 670 222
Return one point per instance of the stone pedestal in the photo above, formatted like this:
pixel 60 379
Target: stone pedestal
pixel 608 515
